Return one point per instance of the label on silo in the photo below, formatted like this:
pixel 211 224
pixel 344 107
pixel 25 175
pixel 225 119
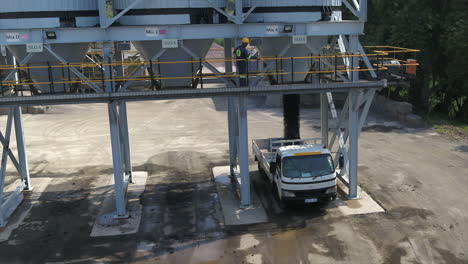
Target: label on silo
pixel 34 47
pixel 272 30
pixel 299 40
pixel 15 36
pixel 152 31
pixel 170 43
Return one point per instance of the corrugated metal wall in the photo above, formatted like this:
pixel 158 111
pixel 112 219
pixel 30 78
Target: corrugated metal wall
pixel 275 3
pixel 46 5
pixel 121 4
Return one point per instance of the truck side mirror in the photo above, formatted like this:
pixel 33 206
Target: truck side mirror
pixel 272 167
pixel 341 162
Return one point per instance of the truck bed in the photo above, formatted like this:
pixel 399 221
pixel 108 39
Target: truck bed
pixel 265 149
pixel 261 149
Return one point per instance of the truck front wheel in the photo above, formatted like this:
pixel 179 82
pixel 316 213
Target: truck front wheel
pixel 281 203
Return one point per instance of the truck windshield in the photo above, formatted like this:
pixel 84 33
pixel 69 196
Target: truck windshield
pixel 308 166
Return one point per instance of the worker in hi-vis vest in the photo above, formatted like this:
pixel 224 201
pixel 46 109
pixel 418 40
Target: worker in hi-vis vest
pixel 242 61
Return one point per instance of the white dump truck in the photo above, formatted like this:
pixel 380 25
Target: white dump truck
pixel 299 170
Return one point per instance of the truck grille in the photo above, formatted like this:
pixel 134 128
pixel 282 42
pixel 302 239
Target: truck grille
pixel 310 193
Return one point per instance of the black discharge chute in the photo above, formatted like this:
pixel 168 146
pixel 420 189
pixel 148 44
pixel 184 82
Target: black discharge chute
pixel 291 116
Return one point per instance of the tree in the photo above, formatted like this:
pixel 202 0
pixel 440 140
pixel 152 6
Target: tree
pixel 439 28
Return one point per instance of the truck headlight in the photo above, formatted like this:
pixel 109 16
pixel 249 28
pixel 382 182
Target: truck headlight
pixel 331 190
pixel 287 194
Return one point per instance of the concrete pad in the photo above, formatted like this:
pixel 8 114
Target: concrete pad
pixel 233 215
pixel 107 225
pixel 363 205
pixel 22 211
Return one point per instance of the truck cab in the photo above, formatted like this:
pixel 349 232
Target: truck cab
pixel 298 171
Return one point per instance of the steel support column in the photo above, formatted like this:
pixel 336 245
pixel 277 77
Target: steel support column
pixel 355 97
pixel 354 61
pixel 119 177
pixel 239 12
pixel 363 10
pixel 20 144
pixel 243 152
pixel 353 127
pixel 107 60
pixel 233 129
pixel 3 165
pixel 324 114
pixel 232 112
pixel 125 141
pixel 118 56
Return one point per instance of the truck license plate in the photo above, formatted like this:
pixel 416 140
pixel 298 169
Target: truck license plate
pixel 312 200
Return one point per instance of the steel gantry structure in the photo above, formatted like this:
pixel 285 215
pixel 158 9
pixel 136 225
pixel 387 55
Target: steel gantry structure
pixel 337 72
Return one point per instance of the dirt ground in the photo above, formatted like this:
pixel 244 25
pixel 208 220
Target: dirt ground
pixel 417 176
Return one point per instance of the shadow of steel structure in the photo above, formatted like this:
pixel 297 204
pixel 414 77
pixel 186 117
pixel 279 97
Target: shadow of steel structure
pixel 344 33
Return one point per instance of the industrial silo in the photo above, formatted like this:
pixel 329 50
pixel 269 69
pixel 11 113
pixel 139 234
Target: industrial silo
pixel 291 65
pixel 172 13
pixel 276 14
pixel 23 14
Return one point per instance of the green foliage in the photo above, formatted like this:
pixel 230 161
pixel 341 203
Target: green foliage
pixel 439 28
pixel 219 41
pixel 110 8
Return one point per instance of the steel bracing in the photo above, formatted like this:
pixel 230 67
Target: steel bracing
pixel 337 72
pixel 10 200
pixel 120 154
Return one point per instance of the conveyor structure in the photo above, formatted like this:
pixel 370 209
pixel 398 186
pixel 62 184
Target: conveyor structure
pixel 305 47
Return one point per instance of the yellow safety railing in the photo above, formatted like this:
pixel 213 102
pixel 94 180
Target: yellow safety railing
pixel 378 55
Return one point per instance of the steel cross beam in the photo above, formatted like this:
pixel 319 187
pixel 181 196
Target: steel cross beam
pixel 249 12
pixel 74 70
pixel 12 72
pixel 271 65
pixel 344 47
pixel 367 62
pixel 339 74
pixel 343 135
pixel 341 147
pixel 228 16
pixel 208 65
pixel 324 61
pixel 357 118
pixel 305 88
pixel 105 21
pixel 351 8
pixel 13 159
pixel 354 47
pixel 138 71
pixel 192 31
pixel 365 100
pixel 10 203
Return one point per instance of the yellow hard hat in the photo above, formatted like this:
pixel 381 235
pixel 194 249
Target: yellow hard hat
pixel 246 40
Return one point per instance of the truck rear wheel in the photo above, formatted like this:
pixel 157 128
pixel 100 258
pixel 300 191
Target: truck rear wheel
pixel 261 171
